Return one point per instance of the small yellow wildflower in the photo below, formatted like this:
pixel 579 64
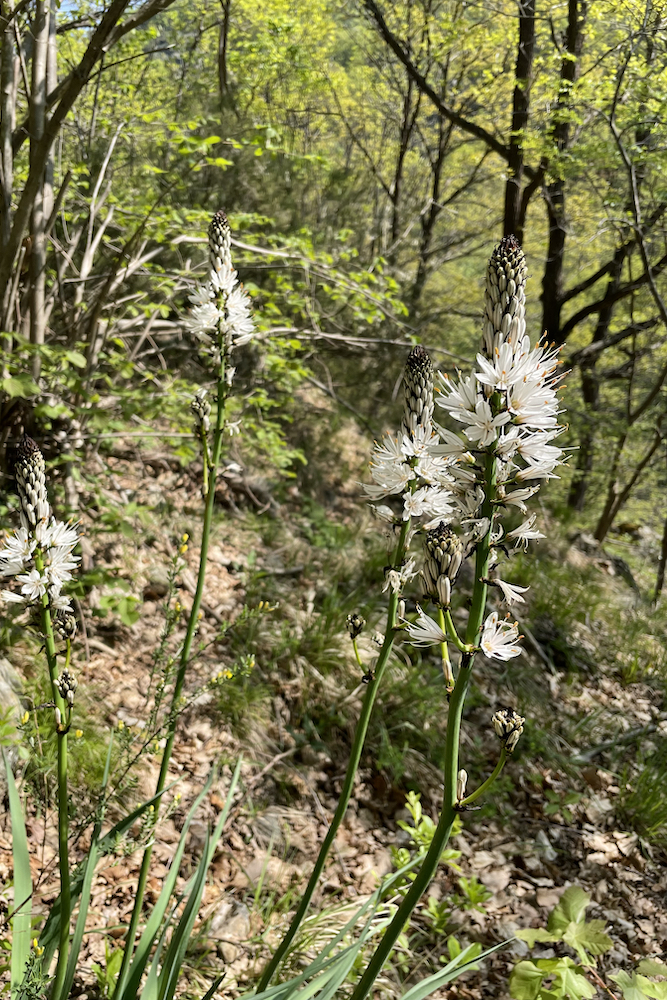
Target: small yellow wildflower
pixel 78 733
pixel 24 718
pixel 185 537
pixel 121 724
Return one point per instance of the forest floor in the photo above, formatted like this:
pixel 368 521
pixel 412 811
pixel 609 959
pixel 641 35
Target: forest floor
pixel 559 825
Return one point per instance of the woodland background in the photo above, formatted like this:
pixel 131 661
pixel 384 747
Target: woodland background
pixel 369 155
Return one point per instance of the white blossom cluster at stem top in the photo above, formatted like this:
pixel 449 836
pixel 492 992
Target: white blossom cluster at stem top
pixel 50 543
pixel 409 466
pixel 509 406
pixel 221 307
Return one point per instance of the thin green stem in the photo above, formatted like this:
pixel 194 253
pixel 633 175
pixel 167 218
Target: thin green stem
pixel 348 783
pixel 451 764
pixel 356 654
pixel 63 820
pixel 438 844
pixel 480 588
pixel 204 445
pixel 180 675
pixel 447 624
pixel 489 781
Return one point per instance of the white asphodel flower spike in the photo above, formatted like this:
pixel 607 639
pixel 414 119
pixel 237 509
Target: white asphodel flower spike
pixel 220 316
pixel 411 465
pixel 39 554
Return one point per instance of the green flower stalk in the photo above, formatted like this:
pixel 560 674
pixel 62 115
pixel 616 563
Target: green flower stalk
pixel 417 431
pixel 39 557
pixel 220 321
pixel 509 411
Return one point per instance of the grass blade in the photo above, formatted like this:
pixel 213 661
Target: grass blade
pixel 181 937
pixel 453 969
pixel 211 993
pixel 152 927
pixel 86 885
pixel 22 882
pixel 161 986
pixel 324 960
pixel 48 939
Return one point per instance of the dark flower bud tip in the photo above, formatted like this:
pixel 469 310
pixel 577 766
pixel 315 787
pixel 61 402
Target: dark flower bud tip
pixel 219 229
pixel 355 625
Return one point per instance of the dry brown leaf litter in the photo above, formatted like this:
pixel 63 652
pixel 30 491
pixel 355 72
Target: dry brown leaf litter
pixel 526 863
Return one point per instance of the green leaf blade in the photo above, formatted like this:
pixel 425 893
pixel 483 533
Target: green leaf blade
pixel 22 908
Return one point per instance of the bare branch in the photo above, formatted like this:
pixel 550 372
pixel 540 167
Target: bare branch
pixel 478 131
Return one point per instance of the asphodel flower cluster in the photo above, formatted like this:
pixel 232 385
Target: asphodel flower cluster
pixel 409 466
pixel 460 479
pixel 39 553
pixel 221 313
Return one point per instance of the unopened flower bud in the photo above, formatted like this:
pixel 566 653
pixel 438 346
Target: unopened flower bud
pixel 31 482
pixel 443 551
pixel 355 625
pixel 64 624
pixel 505 298
pixel 508 726
pixel 219 241
pixel 418 386
pixel 59 718
pixel 67 685
pixel 201 409
pixel 461 782
pixel 400 609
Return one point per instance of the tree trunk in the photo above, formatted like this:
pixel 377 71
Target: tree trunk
pixel 37 267
pixel 590 390
pixel 520 113
pixel 660 577
pixel 8 82
pixel 223 37
pixel 554 193
pixel 430 217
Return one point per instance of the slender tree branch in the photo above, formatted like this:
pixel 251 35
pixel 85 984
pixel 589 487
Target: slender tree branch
pixel 478 131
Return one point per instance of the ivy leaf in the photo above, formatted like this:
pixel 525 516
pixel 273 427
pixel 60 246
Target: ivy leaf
pixel 650 967
pixel 651 989
pixel 570 909
pixel 587 938
pixel 630 985
pixel 569 980
pixel 525 981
